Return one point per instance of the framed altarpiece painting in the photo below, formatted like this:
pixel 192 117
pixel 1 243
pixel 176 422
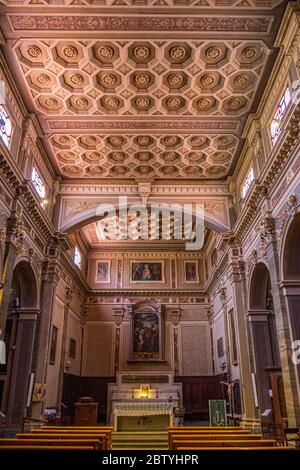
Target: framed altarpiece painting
pixel 146 332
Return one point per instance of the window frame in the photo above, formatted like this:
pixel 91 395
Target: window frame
pixel 281 115
pixel 35 169
pixel 7 113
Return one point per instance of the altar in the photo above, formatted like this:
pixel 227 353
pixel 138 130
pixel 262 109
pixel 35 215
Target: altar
pixel 141 415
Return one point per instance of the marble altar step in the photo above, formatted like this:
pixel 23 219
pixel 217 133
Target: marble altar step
pixel 139 440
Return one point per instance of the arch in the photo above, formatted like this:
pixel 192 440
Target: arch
pixel 291 250
pixel 91 215
pixel 260 287
pixel 24 286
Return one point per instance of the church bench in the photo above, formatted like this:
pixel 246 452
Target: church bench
pixel 51 442
pixel 228 443
pixel 100 438
pixel 213 437
pixel 35 447
pixel 73 432
pixel 201 432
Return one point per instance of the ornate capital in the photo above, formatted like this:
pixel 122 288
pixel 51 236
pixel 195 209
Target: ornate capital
pixel 118 315
pixel 83 314
pixel 144 190
pixel 175 314
pixel 69 295
pixel 223 295
pixel 267 231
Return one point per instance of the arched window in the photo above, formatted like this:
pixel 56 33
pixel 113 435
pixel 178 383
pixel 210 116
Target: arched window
pixel 279 115
pixel 5 126
pixel 38 183
pixel 77 257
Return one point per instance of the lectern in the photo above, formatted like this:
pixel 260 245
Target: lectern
pixel 86 412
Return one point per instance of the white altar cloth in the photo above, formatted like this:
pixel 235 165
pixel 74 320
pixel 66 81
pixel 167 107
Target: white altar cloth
pixel 142 408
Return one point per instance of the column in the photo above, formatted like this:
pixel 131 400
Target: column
pixel 13 244
pixel 118 318
pixel 237 275
pixel 175 314
pixel 269 245
pixel 50 278
pixel 68 299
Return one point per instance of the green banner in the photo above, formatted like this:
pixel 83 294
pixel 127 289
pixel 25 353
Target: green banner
pixel 217 413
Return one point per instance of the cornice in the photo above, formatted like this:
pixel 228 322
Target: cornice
pixel 147 293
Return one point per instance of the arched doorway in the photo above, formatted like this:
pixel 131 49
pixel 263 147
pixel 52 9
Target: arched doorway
pixel 266 358
pixel 19 339
pixel 291 288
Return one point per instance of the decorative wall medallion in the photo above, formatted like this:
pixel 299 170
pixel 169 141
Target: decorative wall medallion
pixel 92 157
pixel 64 140
pixel 144 156
pixel 110 102
pixel 118 156
pixel 224 140
pixel 213 53
pixel 220 157
pixel 144 140
pixel 196 157
pixel 116 140
pixel 51 102
pixel 175 80
pixel 241 80
pixel 119 170
pixel 72 170
pixel 143 103
pixel 142 80
pixel 144 170
pixel 215 170
pixel 34 51
pixel 80 102
pixel 105 52
pixel 169 170
pixel 70 52
pixel 207 80
pixel 76 79
pixel 235 103
pixel 170 140
pixel 169 156
pixel 193 170
pixel 174 103
pixel 206 103
pixel 43 79
pixel 198 140
pixel 68 156
pixel 95 170
pixel 249 53
pixel 178 53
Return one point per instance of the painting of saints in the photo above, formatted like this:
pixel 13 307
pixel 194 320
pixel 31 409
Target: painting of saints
pixel 146 334
pixel 191 271
pixel 145 272
pixel 102 272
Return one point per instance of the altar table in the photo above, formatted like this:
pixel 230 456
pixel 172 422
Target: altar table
pixel 143 412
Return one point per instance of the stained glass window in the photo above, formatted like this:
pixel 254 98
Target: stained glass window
pixel 279 115
pixel 5 126
pixel 247 183
pixel 38 183
pixel 77 257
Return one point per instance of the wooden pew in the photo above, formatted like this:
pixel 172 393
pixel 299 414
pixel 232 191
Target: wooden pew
pixel 62 431
pixel 226 443
pixel 204 428
pixel 94 443
pixel 198 431
pixel 213 437
pixel 24 448
pixel 100 438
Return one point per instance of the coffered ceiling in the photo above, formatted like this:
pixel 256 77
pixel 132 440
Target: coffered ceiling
pixel 128 92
